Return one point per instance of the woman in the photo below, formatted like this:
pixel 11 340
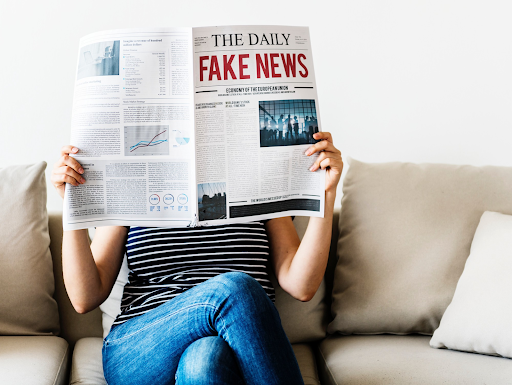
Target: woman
pixel 221 330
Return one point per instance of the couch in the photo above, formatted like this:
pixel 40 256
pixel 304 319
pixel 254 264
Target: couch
pixel 369 338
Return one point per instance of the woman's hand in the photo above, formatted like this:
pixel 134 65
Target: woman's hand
pixel 67 170
pixel 329 159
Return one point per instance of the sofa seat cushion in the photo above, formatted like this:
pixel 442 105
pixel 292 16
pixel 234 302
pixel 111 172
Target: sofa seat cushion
pixel 390 359
pixel 307 363
pixel 87 365
pixel 33 360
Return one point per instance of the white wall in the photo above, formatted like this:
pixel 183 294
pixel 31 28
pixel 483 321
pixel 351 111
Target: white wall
pixel 420 81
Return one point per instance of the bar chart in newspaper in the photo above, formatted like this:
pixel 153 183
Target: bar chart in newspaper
pixel 146 140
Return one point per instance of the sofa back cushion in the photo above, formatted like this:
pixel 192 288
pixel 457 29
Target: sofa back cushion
pixel 405 234
pixel 26 273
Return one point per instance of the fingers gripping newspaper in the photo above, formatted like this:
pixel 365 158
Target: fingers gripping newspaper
pixel 194 126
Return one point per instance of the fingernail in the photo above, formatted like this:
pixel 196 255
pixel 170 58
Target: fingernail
pixel 308 152
pixel 312 168
pixel 82 180
pixel 80 170
pixel 74 149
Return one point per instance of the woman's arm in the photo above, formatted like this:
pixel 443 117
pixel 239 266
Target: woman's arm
pixel 89 270
pixel 300 266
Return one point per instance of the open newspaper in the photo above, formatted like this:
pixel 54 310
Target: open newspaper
pixel 185 126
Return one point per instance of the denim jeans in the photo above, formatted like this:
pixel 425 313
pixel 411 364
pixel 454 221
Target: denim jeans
pixel 171 343
pixel 211 355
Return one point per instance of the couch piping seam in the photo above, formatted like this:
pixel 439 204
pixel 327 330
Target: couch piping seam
pixel 60 366
pixel 327 366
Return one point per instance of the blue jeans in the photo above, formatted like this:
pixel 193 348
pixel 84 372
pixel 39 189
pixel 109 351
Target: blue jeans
pixel 173 343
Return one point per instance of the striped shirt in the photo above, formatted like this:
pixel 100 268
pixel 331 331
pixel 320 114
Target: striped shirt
pixel 165 262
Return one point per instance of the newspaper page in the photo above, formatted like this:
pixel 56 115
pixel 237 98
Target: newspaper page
pixel 133 124
pixel 256 110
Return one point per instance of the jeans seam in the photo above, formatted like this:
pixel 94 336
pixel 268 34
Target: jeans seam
pixel 223 325
pixel 159 320
pixel 104 354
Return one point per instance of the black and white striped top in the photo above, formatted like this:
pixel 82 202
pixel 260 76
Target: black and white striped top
pixel 165 262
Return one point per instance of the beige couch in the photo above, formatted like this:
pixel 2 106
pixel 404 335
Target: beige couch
pixel 373 357
pixel 380 359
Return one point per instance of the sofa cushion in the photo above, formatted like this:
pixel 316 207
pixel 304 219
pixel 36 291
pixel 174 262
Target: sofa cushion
pixel 305 355
pixel 405 234
pixel 26 274
pixel 34 360
pixel 395 360
pixel 479 318
pixel 87 367
pixel 302 321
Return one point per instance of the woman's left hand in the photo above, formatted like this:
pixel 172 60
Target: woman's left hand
pixel 329 159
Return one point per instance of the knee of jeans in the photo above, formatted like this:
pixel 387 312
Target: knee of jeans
pixel 243 290
pixel 202 357
pixel 238 282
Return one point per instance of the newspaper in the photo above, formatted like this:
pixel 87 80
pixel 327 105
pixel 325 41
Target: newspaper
pixel 194 126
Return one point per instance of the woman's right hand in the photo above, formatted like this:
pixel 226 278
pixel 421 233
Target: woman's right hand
pixel 67 170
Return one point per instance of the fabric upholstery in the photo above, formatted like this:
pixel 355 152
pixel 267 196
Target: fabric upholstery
pixel 87 364
pixel 405 234
pixel 34 360
pixel 26 274
pixel 307 363
pixel 407 360
pixel 479 318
